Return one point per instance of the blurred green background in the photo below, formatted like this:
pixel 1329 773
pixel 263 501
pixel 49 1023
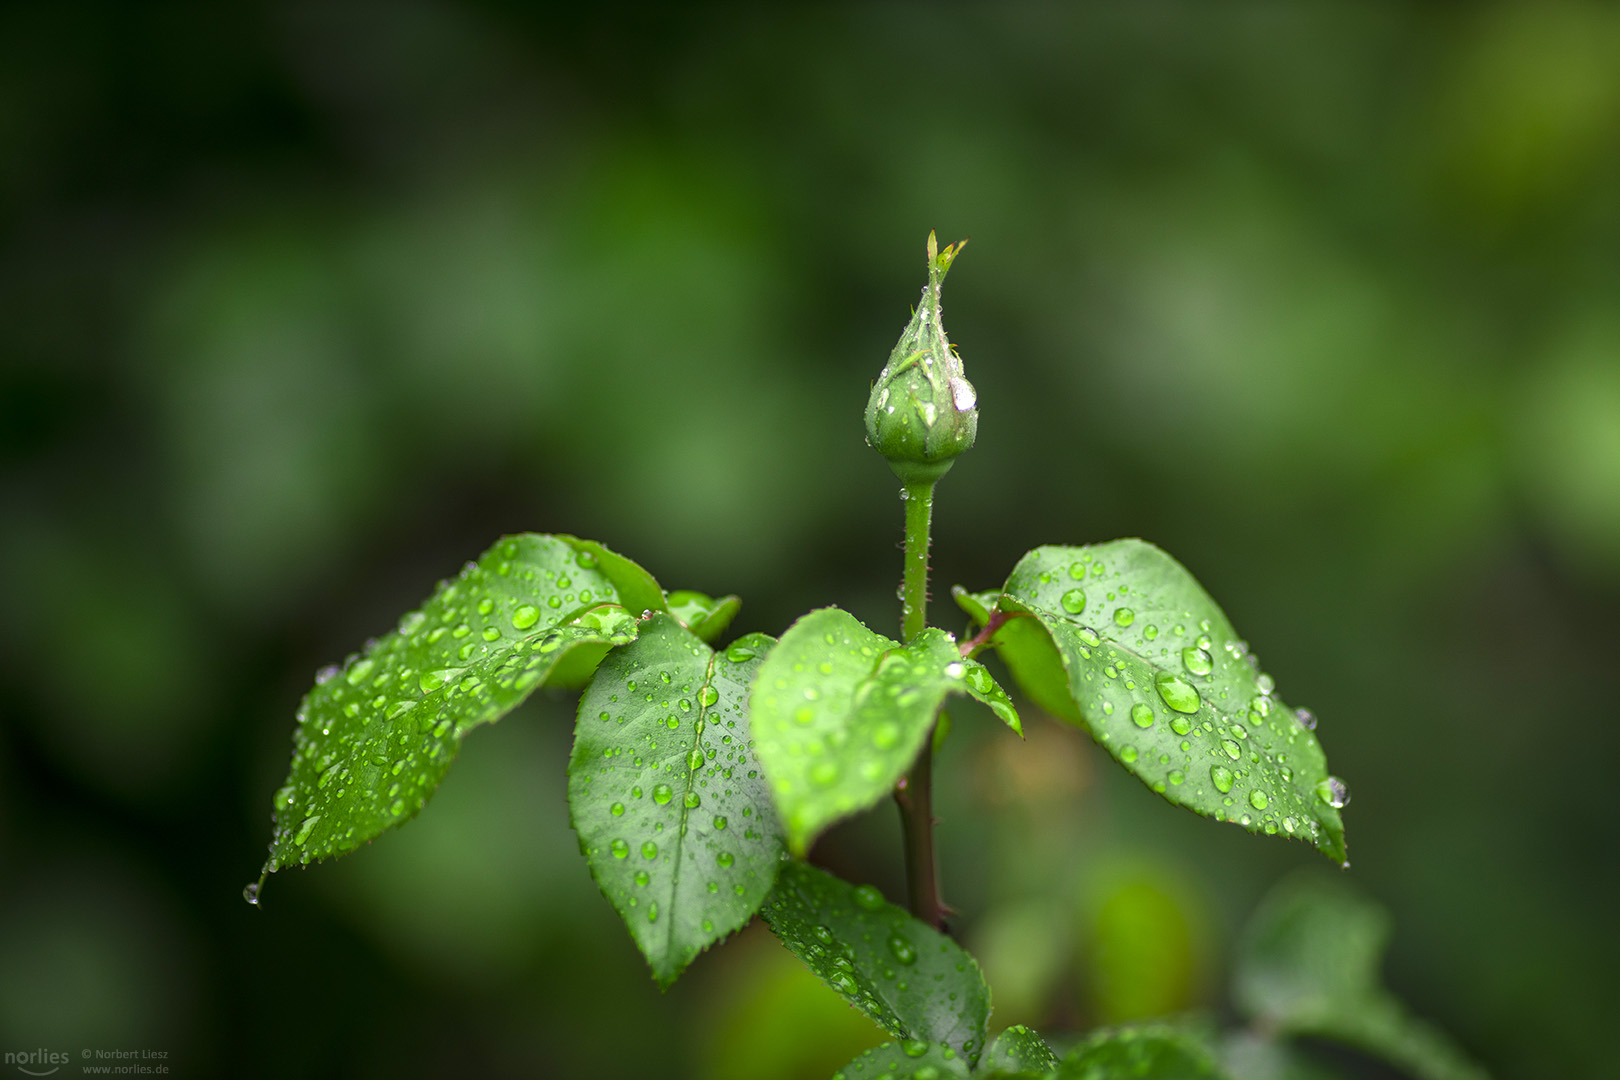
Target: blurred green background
pixel 302 305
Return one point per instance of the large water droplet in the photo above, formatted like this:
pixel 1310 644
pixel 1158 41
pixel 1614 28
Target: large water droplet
pixel 1141 715
pixel 662 794
pixel 250 893
pixel 708 696
pixel 1124 616
pixel 1259 799
pixel 619 848
pixel 867 898
pixel 1334 792
pixel 738 652
pixel 649 850
pixel 1074 601
pixel 1196 660
pixel 525 616
pixel 1177 692
pixel 1305 719
pixel 1222 778
pixel 902 949
pixel 824 772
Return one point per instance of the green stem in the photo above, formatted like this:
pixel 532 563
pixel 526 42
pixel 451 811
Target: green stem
pixel 914 793
pixel 914 592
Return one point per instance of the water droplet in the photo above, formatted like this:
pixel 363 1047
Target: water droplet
pixel 308 827
pixel 1127 754
pixel 1233 750
pixel 649 850
pixel 619 848
pixel 962 394
pixel 885 735
pixel 1196 660
pixel 662 794
pixel 708 696
pixel 1074 601
pixel 1177 777
pixel 525 616
pixel 1177 692
pixel 1221 778
pixel 1124 616
pixel 1180 724
pixel 824 772
pixel 692 800
pixel 360 671
pixel 914 1048
pixel 867 898
pixel 720 823
pixel 1141 715
pixel 642 878
pixel 738 653
pixel 1305 719
pixel 902 949
pixel 724 858
pixel 1259 799
pixel 1265 683
pixel 1334 792
pixel 250 893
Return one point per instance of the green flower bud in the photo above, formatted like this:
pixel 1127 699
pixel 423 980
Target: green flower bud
pixel 923 411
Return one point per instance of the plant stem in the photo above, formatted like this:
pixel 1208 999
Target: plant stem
pixel 914 592
pixel 914 793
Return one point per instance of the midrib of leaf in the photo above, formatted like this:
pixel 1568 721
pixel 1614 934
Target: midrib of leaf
pixel 686 811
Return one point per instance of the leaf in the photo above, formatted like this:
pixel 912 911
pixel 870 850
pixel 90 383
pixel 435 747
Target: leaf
pixel 911 980
pixel 1151 1052
pixel 914 1060
pixel 1136 652
pixel 671 809
pixel 1308 965
pixel 1018 1050
pixel 702 614
pixel 376 735
pixel 840 713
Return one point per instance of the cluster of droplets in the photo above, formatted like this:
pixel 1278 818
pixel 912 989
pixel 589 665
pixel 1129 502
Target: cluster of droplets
pixel 877 956
pixel 1249 743
pixel 377 732
pixel 665 746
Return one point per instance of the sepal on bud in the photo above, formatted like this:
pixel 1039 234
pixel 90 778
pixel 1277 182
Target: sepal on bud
pixel 923 412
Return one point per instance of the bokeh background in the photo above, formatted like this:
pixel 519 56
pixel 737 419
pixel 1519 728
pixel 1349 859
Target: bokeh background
pixel 302 305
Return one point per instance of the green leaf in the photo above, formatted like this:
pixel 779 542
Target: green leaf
pixel 637 590
pixel 1018 1050
pixel 1308 965
pixel 671 809
pixel 1152 668
pixel 702 614
pixel 840 713
pixel 376 735
pixel 912 1060
pixel 1152 1052
pixel 911 980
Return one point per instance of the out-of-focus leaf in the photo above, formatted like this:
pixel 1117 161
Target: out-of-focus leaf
pixel 1308 965
pixel 1017 1051
pixel 1153 669
pixel 703 614
pixel 913 981
pixel 1153 1052
pixel 671 809
pixel 840 713
pixel 376 734
pixel 910 1060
